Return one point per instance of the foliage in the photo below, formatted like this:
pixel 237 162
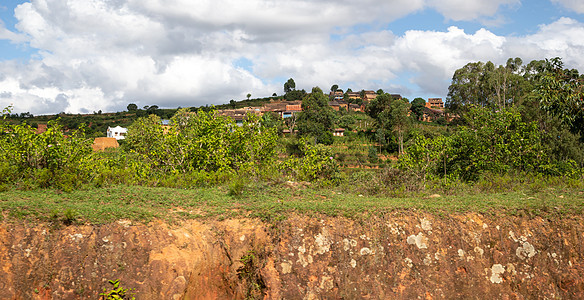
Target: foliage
pixel 485 85
pixel 315 162
pixel 561 93
pixel 202 141
pixel 289 86
pixel 48 159
pixel 132 107
pixel 424 156
pixel 116 292
pixel 417 108
pixel 250 274
pixel 272 120
pixel 317 117
pixel 346 121
pixel 392 119
pixel 398 119
pixel 494 141
pixel 378 105
pixel 372 156
pixel 237 186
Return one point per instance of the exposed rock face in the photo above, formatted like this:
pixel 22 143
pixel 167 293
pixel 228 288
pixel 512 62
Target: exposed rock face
pixel 399 255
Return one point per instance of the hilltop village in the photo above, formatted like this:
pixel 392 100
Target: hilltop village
pixel 338 101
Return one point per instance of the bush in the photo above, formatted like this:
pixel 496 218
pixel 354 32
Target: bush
pixel 52 158
pixel 316 164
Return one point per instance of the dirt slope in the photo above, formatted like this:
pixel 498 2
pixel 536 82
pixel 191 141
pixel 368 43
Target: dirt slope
pixel 400 255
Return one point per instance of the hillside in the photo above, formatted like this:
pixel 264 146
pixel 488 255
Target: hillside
pixel 291 243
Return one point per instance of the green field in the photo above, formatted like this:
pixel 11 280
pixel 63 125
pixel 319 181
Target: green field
pixel 270 202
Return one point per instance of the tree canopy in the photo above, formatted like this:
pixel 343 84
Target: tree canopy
pixel 561 93
pixel 317 117
pixel 417 107
pixel 289 86
pixel 486 85
pixel 132 107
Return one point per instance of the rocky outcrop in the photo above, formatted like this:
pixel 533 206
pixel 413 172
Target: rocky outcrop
pixel 396 255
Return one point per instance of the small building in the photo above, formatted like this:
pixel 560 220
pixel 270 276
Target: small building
pixel 285 109
pixel 432 114
pixel 355 107
pixel 101 143
pixel 117 132
pixel 336 95
pixel 335 105
pixel 354 95
pixel 291 110
pixel 435 103
pixel 339 132
pixel 369 95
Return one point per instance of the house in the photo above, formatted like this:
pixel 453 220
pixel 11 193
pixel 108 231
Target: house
pixel 285 109
pixel 343 105
pixel 339 132
pixel 355 107
pixel 117 132
pixel 101 143
pixel 431 114
pixel 291 110
pixel 435 103
pixel 369 95
pixel 238 115
pixel 335 105
pixel 353 95
pixel 336 95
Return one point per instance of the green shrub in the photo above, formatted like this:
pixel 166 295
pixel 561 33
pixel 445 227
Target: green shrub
pixel 316 163
pixel 236 187
pixel 117 292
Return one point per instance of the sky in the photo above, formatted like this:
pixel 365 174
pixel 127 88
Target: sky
pixel 85 56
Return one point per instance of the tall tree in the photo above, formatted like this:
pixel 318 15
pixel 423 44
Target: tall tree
pixel 379 104
pixel 561 93
pixel 487 85
pixel 289 86
pixel 317 117
pixel 467 88
pixel 417 108
pixel 399 120
pixel 132 107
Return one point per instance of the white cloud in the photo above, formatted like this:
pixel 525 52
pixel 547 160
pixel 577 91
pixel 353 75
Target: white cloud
pixel 103 54
pixel 434 56
pixel 575 5
pixel 558 39
pixel 466 10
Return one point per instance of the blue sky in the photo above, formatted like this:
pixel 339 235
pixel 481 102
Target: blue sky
pixel 11 50
pixel 84 56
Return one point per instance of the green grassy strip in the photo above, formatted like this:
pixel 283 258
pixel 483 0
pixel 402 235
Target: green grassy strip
pixel 144 204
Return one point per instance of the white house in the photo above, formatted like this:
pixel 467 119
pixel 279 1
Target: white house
pixel 117 132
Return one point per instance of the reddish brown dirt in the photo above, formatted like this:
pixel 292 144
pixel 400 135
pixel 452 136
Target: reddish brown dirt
pixel 402 255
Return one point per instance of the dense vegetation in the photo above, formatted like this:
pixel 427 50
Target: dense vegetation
pixel 512 126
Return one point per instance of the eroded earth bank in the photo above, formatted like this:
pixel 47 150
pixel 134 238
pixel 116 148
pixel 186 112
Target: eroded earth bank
pixel 401 255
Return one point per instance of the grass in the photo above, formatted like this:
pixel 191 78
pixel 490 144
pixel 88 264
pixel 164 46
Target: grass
pixel 268 202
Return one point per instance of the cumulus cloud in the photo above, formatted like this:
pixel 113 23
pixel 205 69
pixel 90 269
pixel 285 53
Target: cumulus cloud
pixel 466 10
pixel 103 54
pixel 575 5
